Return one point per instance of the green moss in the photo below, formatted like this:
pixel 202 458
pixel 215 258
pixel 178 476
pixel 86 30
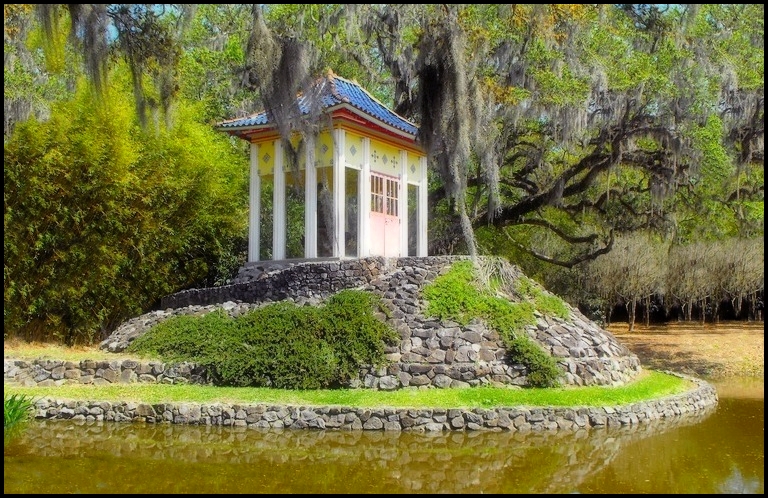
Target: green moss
pixel 457 295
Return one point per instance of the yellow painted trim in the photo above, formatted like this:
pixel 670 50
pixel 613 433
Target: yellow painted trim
pixel 362 131
pixel 367 132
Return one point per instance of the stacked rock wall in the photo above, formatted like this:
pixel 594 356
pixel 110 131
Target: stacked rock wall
pixel 431 352
pixel 46 373
pixel 701 399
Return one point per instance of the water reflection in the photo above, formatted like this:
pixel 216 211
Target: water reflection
pixel 720 451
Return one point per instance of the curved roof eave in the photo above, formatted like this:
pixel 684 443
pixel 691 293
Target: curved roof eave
pixel 251 129
pixel 333 92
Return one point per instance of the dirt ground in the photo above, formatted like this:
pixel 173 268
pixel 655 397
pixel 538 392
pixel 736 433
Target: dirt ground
pixel 733 349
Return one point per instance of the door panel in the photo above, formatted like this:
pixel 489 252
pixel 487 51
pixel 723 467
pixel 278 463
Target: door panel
pixel 384 219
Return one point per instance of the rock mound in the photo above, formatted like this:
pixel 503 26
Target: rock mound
pixel 431 352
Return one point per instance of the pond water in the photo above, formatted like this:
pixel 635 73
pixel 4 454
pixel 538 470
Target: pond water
pixel 721 451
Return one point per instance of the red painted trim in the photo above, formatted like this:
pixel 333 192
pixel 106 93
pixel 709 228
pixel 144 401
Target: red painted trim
pixel 348 115
pixel 395 141
pixel 344 118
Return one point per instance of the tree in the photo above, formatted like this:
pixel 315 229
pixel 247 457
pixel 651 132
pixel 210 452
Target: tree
pixel 146 36
pixel 102 219
pixel 551 129
pixel 577 122
pixel 213 50
pixel 33 78
pixel 633 272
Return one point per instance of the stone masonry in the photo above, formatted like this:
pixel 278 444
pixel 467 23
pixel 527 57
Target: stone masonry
pixel 431 352
pixel 701 399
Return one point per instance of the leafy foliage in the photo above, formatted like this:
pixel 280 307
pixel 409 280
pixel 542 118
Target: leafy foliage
pixel 553 130
pixel 457 295
pixel 102 219
pixel 33 76
pixel 280 345
pixel 529 113
pixel 17 410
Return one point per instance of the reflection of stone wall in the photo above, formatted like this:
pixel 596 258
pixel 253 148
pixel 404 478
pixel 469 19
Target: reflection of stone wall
pixel 420 462
pixel 267 416
pixel 431 353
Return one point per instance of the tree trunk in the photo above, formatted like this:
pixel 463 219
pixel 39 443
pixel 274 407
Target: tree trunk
pixel 647 310
pixel 631 305
pixel 737 303
pixel 756 313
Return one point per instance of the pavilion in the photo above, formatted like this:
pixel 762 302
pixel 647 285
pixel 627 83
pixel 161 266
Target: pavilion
pixel 357 188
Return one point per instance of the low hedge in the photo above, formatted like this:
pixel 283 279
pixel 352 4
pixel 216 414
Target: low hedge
pixel 281 345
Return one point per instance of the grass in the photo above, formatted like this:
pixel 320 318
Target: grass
pixel 23 350
pixel 17 410
pixel 649 385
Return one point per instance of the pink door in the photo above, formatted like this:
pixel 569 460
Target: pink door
pixel 384 220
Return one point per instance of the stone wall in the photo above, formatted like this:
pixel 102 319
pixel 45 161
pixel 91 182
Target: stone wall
pixel 436 353
pixel 700 399
pixel 45 373
pixel 277 281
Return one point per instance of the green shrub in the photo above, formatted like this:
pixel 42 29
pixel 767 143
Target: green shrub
pixel 542 368
pixel 187 337
pixel 357 336
pixel 279 345
pixel 102 218
pixel 457 295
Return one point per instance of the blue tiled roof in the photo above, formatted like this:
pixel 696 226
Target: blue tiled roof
pixel 333 91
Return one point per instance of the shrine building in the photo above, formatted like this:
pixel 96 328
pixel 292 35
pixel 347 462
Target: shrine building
pixel 357 187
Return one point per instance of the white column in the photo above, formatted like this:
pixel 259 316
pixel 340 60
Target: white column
pixel 339 194
pixel 310 201
pixel 402 200
pixel 254 204
pixel 421 233
pixel 364 204
pixel 278 205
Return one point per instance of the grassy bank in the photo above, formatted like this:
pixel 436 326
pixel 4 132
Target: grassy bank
pixel 650 385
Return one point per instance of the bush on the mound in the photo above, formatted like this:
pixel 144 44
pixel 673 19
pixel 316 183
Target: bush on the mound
pixel 280 345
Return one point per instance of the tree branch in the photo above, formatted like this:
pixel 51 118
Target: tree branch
pixel 557 231
pixel 565 264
